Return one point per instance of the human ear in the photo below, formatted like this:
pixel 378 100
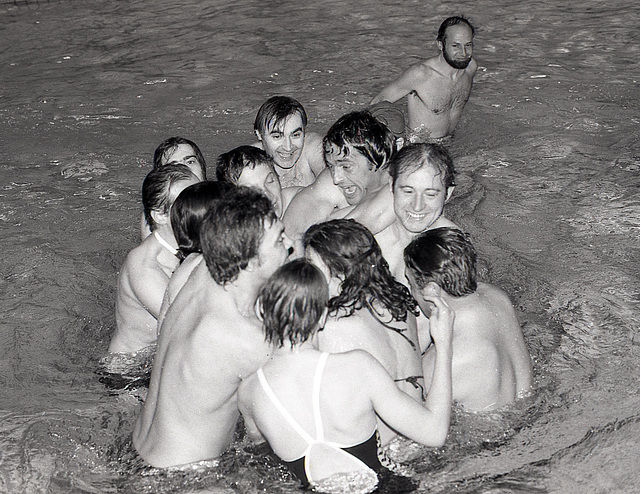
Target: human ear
pixel 159 218
pixel 323 319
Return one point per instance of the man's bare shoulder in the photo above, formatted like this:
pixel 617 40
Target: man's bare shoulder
pixel 313 204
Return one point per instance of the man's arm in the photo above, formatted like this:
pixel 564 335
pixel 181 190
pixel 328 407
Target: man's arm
pixel 313 204
pixel 375 212
pixel 148 284
pixel 403 85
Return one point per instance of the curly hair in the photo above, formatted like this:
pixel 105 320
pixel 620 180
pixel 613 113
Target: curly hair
pixel 352 254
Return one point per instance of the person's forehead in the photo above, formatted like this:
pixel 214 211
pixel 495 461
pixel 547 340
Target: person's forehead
pixel 182 149
pixel 290 123
pixel 426 176
pixel 348 153
pixel 458 32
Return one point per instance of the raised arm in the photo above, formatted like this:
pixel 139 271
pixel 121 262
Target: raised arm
pixel 427 425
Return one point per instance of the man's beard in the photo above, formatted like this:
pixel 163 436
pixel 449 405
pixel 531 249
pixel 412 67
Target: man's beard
pixel 456 64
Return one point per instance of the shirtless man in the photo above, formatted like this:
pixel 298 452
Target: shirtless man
pixel 438 88
pixel 210 338
pixel 357 149
pixel 368 309
pixel 491 366
pixel 251 167
pixel 422 181
pixel 148 267
pixel 177 150
pixel 280 126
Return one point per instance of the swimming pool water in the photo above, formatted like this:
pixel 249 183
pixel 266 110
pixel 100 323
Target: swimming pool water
pixel 548 166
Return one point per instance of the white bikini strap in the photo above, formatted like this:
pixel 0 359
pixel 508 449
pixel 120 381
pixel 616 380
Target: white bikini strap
pixel 165 244
pixel 316 396
pixel 285 413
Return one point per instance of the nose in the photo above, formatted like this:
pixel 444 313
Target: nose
pixel 337 174
pixel 418 203
pixel 288 145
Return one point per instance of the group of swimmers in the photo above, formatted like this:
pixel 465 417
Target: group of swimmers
pixel 316 288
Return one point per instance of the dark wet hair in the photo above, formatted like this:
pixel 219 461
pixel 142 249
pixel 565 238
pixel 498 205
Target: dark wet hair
pixel 231 164
pixel 453 21
pixel 156 189
pixel 232 230
pixel 171 144
pixel 413 157
pixel 365 133
pixel 276 110
pixel 444 256
pixel 352 253
pixel 189 209
pixel 292 302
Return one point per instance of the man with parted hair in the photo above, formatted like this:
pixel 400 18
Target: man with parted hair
pixel 210 338
pixel 491 366
pixel 281 129
pixel 438 88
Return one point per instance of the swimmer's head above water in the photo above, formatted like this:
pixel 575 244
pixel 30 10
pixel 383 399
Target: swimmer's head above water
pixel 292 304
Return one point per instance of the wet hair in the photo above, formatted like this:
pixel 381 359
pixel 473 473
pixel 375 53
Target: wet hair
pixel 171 144
pixel 292 302
pixel 352 254
pixel 413 157
pixel 156 189
pixel 453 21
pixel 189 209
pixel 444 256
pixel 365 133
pixel 276 110
pixel 230 165
pixel 232 230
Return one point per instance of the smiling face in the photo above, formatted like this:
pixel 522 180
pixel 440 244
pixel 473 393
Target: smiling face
pixel 284 141
pixel 419 198
pixel 457 46
pixel 263 178
pixel 353 173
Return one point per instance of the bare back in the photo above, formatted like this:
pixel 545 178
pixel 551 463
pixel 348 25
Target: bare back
pixel 395 349
pixel 491 366
pixel 205 348
pixel 142 281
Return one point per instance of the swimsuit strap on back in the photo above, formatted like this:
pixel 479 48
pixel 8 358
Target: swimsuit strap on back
pixel 316 397
pixel 317 379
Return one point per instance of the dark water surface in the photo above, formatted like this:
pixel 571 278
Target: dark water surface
pixel 548 160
